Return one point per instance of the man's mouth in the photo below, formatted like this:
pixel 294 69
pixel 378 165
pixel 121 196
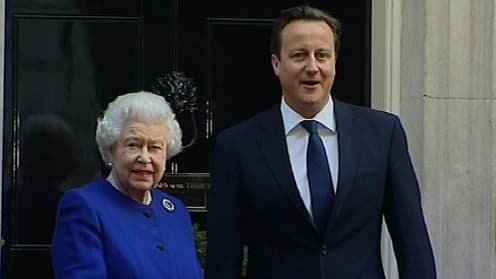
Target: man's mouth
pixel 310 83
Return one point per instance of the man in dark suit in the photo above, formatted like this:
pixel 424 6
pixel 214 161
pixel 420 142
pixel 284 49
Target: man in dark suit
pixel 305 185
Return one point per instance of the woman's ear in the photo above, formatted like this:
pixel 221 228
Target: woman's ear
pixel 110 154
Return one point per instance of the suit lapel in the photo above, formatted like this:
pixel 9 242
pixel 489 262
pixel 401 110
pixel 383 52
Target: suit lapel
pixel 348 145
pixel 272 142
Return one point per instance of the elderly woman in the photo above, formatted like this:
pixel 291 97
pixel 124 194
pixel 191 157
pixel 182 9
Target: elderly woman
pixel 121 227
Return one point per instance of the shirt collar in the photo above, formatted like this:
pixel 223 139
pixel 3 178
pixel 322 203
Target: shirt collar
pixel 291 118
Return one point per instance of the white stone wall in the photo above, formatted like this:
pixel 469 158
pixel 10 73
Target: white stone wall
pixel 447 103
pixel 459 123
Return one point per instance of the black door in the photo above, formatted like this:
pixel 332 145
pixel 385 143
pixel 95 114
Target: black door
pixel 66 59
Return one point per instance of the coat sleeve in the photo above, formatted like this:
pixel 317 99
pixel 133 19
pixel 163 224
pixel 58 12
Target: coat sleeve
pixel 403 213
pixel 77 250
pixel 224 240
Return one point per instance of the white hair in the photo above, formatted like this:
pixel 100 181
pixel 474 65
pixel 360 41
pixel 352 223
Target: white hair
pixel 137 106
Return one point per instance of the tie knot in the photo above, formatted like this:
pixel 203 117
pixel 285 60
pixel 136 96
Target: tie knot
pixel 310 126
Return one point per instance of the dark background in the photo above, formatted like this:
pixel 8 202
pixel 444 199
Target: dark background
pixel 66 59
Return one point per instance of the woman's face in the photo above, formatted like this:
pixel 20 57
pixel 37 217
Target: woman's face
pixel 138 158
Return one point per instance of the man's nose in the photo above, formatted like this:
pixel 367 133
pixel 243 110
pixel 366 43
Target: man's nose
pixel 312 65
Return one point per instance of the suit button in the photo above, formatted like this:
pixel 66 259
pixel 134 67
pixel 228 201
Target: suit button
pixel 323 250
pixel 160 246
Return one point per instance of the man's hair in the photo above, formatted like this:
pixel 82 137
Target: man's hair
pixel 303 12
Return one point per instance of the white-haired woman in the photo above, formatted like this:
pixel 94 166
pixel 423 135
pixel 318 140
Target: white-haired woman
pixel 120 226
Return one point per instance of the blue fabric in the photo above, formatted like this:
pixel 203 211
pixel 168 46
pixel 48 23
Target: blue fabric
pixel 319 176
pixel 101 233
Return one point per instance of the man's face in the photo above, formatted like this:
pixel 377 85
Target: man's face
pixel 306 67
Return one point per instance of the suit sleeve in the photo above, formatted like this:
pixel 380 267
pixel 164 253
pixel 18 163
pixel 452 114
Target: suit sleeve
pixel 77 250
pixel 403 213
pixel 224 241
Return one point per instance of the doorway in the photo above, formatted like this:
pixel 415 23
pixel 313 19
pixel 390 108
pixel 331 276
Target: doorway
pixel 66 59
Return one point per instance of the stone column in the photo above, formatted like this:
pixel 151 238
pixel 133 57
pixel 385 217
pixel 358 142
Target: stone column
pixel 447 102
pixel 459 135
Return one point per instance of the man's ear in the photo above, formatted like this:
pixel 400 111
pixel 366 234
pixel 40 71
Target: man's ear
pixel 275 64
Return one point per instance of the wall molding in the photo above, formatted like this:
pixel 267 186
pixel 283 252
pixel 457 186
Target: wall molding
pixel 386 84
pixel 386 55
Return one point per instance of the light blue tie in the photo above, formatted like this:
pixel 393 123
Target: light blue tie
pixel 319 176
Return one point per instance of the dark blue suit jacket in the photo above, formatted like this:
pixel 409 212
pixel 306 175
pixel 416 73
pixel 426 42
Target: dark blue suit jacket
pixel 254 200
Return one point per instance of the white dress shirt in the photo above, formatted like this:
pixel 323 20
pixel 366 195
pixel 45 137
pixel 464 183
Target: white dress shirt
pixel 297 141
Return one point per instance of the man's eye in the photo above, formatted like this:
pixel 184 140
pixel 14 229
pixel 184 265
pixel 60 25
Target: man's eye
pixel 297 55
pixel 157 147
pixel 323 55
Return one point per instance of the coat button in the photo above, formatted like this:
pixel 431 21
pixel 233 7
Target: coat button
pixel 160 246
pixel 147 212
pixel 323 250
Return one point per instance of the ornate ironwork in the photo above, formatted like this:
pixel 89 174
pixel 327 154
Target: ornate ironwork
pixel 180 92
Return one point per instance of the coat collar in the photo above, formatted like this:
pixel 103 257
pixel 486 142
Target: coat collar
pixel 349 144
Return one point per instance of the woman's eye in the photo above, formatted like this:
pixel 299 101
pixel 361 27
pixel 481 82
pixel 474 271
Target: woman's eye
pixel 132 144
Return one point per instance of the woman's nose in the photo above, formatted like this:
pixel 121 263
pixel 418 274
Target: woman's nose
pixel 144 156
